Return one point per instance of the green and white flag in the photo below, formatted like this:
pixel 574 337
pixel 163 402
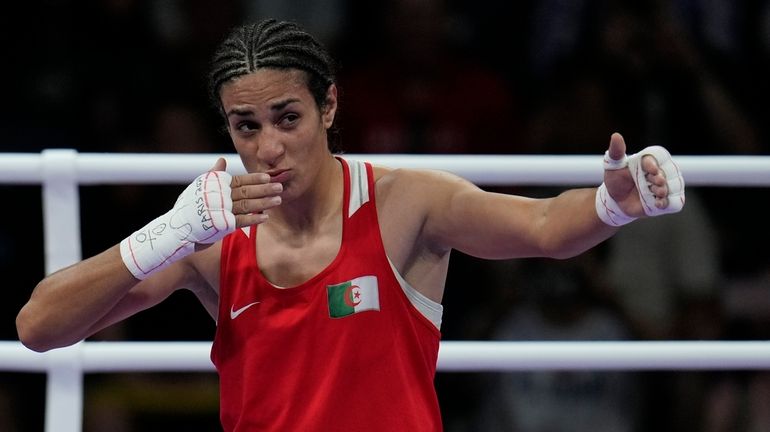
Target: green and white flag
pixel 357 295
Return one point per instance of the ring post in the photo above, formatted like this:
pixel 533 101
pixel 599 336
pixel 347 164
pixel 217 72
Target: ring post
pixel 61 225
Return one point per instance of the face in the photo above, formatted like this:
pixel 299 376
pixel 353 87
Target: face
pixel 276 126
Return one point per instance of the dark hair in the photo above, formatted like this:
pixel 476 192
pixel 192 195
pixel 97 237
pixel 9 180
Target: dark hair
pixel 271 44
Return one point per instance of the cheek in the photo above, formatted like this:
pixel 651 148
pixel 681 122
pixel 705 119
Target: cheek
pixel 241 145
pixel 247 153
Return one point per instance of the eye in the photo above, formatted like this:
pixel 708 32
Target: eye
pixel 288 120
pixel 246 126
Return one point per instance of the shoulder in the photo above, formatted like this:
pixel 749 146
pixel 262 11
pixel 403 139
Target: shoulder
pixel 416 181
pixel 418 198
pixel 418 188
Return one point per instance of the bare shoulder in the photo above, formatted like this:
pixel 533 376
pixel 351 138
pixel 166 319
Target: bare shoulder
pixel 418 184
pixel 422 192
pixel 410 203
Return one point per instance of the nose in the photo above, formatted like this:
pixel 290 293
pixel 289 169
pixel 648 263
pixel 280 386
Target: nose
pixel 270 149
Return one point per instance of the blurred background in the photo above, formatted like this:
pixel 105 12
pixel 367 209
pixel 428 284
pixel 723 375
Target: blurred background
pixel 432 76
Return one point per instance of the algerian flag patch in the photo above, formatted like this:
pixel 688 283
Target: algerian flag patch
pixel 357 295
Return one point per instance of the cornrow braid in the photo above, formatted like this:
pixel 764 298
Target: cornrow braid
pixel 271 44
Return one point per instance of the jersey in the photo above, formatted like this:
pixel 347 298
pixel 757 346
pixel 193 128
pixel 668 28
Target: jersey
pixel 348 350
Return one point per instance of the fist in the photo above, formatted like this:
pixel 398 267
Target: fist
pixel 646 183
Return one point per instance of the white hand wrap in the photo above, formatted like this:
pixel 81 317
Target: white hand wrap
pixel 202 214
pixel 608 209
pixel 674 181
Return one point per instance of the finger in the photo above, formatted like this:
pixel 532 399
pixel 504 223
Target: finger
pixel 219 165
pixel 249 179
pixel 256 205
pixel 250 219
pixel 256 191
pixel 660 192
pixel 617 147
pixel 656 179
pixel 651 167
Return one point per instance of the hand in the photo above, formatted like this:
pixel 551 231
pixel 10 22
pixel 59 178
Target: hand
pixel 647 183
pixel 621 186
pixel 201 216
pixel 252 194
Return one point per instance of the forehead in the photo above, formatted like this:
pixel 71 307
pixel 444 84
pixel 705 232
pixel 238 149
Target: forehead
pixel 265 86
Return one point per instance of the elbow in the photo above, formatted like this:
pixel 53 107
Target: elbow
pixel 562 255
pixel 49 319
pixel 34 333
pixel 30 334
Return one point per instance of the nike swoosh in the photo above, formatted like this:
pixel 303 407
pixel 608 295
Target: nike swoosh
pixel 234 313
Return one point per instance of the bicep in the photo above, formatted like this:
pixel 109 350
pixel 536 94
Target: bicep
pixel 448 212
pixel 487 224
pixel 500 226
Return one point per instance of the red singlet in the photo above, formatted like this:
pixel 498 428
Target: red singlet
pixel 345 351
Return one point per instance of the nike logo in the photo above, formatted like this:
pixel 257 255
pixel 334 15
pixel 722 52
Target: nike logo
pixel 234 313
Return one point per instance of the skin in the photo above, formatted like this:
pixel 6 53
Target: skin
pixel 293 189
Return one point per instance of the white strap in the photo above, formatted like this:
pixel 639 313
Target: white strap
pixel 608 209
pixel 614 164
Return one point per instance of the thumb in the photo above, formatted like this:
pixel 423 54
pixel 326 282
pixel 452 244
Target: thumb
pixel 220 165
pixel 617 147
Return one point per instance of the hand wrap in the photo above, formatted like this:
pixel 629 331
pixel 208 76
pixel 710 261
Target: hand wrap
pixel 674 181
pixel 201 214
pixel 608 209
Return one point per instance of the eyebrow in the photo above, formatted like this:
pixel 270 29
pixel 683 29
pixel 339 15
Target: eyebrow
pixel 277 106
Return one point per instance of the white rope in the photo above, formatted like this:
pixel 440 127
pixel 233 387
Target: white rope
pixel 454 356
pixel 492 170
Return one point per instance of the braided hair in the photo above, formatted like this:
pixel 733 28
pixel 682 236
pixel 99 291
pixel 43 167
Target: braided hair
pixel 271 44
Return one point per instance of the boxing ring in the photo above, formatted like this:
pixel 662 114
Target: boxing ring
pixel 61 172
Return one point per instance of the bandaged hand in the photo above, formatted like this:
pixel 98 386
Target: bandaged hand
pixel 646 183
pixel 201 215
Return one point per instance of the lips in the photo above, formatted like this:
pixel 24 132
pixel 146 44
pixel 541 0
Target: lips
pixel 279 176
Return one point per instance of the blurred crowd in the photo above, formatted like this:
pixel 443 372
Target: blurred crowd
pixel 434 76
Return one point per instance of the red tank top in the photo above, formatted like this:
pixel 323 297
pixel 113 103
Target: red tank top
pixel 344 351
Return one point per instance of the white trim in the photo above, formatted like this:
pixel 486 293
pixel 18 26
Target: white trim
pixel 428 308
pixel 359 186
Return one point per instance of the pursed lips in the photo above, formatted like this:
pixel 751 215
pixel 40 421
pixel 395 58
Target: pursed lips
pixel 279 176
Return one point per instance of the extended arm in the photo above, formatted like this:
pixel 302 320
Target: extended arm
pixel 489 225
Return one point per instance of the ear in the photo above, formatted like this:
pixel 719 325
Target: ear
pixel 330 109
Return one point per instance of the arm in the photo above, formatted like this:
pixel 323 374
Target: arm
pixel 75 302
pixel 461 216
pixel 499 226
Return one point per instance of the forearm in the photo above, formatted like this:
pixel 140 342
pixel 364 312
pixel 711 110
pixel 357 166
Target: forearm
pixel 570 224
pixel 64 306
pixel 77 301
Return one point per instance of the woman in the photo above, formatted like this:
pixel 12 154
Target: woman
pixel 324 275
